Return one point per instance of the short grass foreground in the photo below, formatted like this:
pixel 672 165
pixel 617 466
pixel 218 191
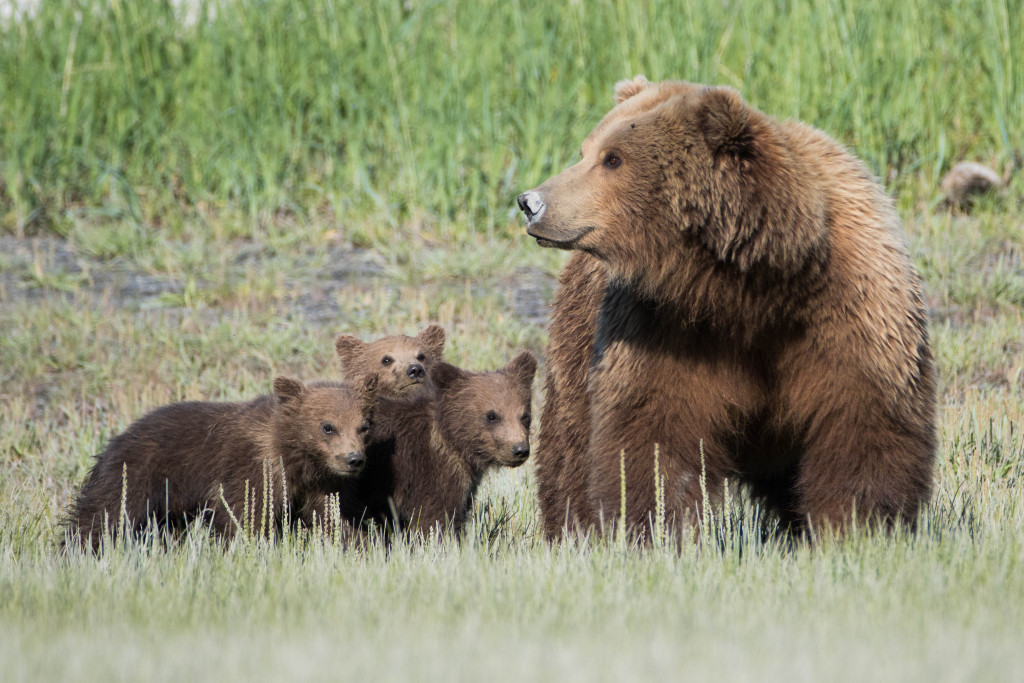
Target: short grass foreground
pixel 80 363
pixel 185 217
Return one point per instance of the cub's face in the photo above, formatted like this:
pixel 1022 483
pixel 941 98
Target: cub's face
pixel 646 177
pixel 401 363
pixel 487 415
pixel 501 417
pixel 326 422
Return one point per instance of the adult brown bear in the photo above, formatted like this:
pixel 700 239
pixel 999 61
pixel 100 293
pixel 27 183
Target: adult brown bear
pixel 740 288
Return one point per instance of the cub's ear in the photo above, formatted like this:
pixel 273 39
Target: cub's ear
pixel 444 375
pixel 523 367
pixel 724 118
pixel 288 389
pixel 347 347
pixel 628 88
pixel 432 340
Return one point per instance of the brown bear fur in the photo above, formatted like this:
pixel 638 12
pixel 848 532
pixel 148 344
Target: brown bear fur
pixel 428 453
pixel 179 457
pixel 401 363
pixel 741 286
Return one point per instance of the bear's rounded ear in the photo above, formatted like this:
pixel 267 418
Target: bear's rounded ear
pixel 523 367
pixel 288 389
pixel 725 119
pixel 628 88
pixel 432 340
pixel 443 375
pixel 347 347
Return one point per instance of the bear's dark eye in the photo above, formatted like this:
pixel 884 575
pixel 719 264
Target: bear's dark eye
pixel 363 428
pixel 492 416
pixel 387 360
pixel 421 357
pixel 328 428
pixel 526 420
pixel 612 160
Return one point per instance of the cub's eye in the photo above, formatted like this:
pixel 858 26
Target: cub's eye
pixel 612 160
pixel 328 428
pixel 492 416
pixel 421 357
pixel 526 420
pixel 387 360
pixel 363 428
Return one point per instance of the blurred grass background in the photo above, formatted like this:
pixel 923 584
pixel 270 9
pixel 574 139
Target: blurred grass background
pixel 427 117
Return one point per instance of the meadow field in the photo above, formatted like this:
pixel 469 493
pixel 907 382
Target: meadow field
pixel 198 196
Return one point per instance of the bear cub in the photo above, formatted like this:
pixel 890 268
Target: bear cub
pixel 186 460
pixel 427 454
pixel 401 363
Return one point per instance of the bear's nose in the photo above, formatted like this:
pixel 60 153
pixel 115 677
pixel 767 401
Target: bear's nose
pixel 355 460
pixel 532 205
pixel 521 450
pixel 415 371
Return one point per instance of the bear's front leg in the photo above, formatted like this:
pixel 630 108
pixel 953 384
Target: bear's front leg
pixel 869 450
pixel 565 420
pixel 685 405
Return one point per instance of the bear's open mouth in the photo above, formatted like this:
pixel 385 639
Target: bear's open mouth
pixel 553 242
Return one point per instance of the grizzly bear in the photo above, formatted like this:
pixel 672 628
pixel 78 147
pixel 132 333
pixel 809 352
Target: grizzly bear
pixel 401 363
pixel 428 453
pixel 187 460
pixel 740 299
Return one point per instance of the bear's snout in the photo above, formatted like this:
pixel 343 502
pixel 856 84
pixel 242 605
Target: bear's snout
pixel 521 450
pixel 415 371
pixel 550 229
pixel 532 205
pixel 355 460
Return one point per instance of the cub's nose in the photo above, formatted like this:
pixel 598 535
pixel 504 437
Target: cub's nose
pixel 532 205
pixel 521 450
pixel 415 371
pixel 355 460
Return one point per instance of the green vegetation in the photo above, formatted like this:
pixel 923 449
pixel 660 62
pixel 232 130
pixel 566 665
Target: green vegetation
pixel 195 198
pixel 426 117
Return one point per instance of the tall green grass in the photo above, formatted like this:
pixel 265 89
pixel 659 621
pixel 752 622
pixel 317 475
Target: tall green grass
pixel 429 116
